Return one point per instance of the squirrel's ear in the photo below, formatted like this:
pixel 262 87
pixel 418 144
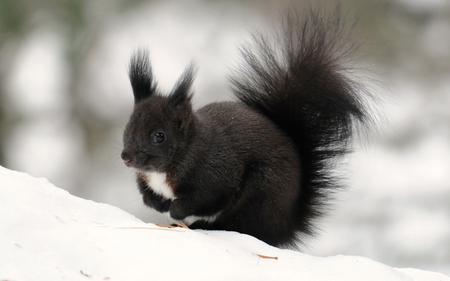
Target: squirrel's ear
pixel 141 76
pixel 179 100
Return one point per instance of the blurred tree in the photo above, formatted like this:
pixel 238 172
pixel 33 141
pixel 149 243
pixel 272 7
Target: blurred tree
pixel 14 17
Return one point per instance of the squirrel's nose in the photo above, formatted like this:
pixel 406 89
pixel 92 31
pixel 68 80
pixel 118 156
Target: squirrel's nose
pixel 127 158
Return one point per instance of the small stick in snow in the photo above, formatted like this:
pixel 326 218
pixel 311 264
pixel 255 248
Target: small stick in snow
pixel 267 257
pixel 164 225
pixel 183 225
pixel 139 227
pixel 87 275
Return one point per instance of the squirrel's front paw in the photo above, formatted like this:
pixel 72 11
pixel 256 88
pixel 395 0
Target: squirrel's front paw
pixel 177 211
pixel 158 203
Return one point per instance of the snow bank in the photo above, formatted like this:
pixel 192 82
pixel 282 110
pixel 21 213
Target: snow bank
pixel 48 234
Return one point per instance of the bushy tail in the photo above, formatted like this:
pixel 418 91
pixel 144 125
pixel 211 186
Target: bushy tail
pixel 298 80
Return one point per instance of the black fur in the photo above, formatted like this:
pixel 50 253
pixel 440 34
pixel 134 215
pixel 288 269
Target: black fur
pixel 262 165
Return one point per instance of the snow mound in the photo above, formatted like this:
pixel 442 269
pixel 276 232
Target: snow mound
pixel 48 234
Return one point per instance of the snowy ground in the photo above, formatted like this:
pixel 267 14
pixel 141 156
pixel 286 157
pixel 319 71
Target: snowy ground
pixel 48 234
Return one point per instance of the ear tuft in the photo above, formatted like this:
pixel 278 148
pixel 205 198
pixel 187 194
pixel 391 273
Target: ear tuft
pixel 182 90
pixel 179 100
pixel 141 76
pixel 181 95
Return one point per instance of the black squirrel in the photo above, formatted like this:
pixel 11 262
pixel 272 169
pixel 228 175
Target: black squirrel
pixel 263 164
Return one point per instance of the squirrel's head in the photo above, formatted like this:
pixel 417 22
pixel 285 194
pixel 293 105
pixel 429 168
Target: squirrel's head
pixel 160 126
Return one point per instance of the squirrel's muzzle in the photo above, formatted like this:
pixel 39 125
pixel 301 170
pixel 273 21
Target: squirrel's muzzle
pixel 127 158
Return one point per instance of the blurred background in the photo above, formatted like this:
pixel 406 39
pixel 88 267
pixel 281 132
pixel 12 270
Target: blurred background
pixel 65 99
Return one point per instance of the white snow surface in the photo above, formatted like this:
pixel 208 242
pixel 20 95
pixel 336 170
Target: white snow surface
pixel 48 234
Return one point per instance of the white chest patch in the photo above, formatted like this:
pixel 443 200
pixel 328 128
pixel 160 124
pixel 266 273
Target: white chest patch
pixel 158 183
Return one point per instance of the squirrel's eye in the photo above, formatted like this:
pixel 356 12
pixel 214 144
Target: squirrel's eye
pixel 159 137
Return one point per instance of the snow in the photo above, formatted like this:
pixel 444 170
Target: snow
pixel 48 234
